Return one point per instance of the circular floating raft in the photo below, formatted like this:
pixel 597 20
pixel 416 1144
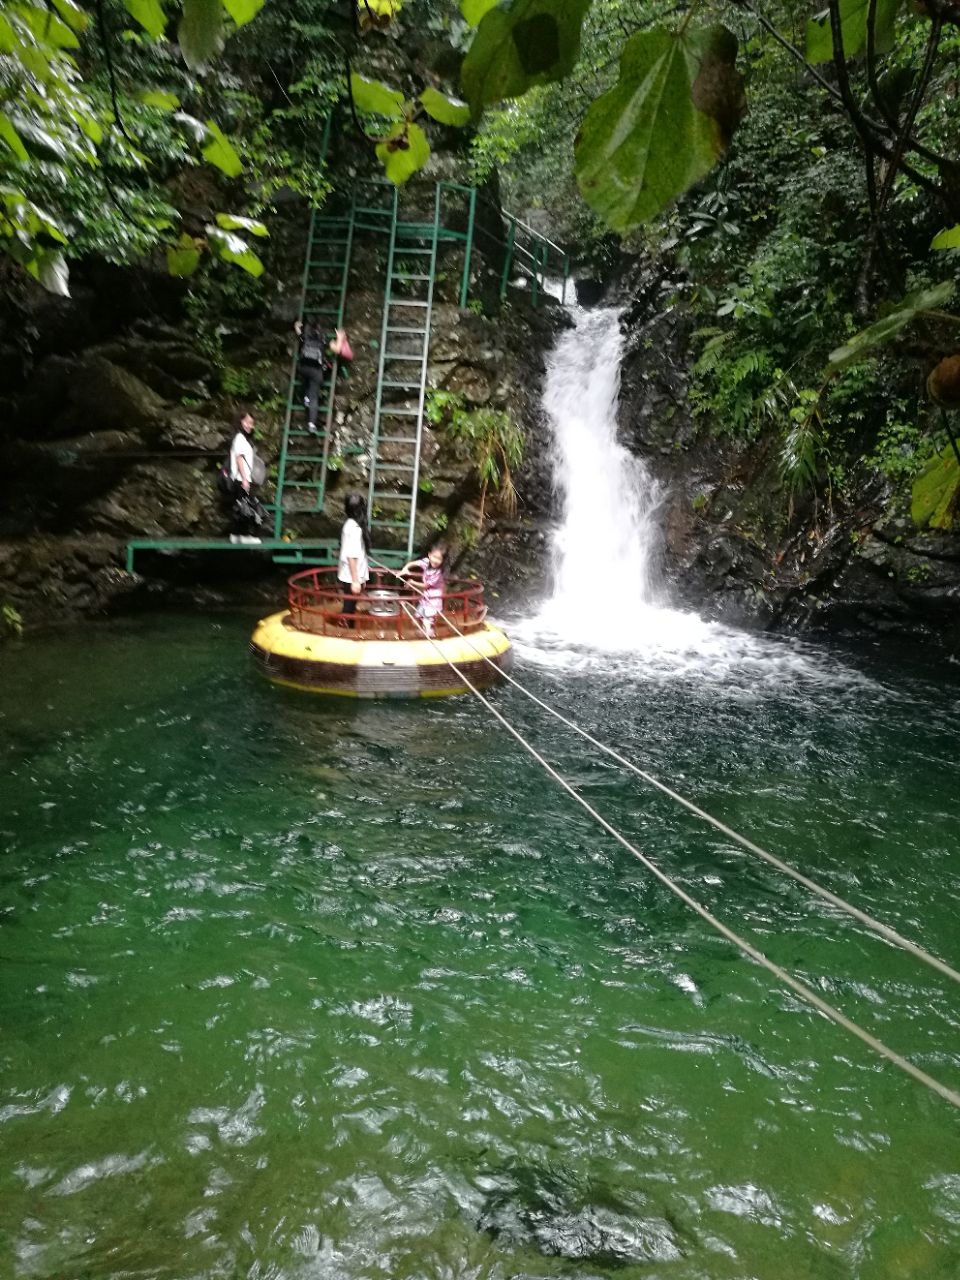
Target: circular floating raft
pixel 379 651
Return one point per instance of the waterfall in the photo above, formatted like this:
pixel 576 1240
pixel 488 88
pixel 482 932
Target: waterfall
pixel 606 590
pixel 606 543
pixel 605 547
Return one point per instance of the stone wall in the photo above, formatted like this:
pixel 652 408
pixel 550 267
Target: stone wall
pixel 735 546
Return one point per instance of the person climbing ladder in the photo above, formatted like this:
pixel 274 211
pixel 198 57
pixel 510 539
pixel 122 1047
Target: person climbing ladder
pixel 315 363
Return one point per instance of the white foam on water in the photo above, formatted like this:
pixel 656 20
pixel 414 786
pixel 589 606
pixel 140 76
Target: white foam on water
pixel 608 594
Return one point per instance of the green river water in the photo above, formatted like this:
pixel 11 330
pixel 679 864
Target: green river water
pixel 305 989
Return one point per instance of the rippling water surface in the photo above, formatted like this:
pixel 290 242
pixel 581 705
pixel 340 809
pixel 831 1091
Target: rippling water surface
pixel 295 989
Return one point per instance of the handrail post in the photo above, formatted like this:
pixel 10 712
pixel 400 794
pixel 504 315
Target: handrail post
pixel 508 257
pixel 537 269
pixel 566 277
pixel 465 283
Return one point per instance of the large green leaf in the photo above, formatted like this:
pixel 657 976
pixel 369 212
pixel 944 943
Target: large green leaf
pixel 949 238
pixel 243 11
pixel 10 137
pixel 150 15
pixel 853 30
pixel 936 492
pixel 475 10
pixel 233 222
pixel 201 31
pixel 662 127
pixel 376 97
pixel 183 258
pixel 7 38
pixel 47 27
pixel 443 109
pixel 233 248
pixel 219 151
pixel 72 14
pixel 914 304
pixel 403 152
pixel 161 98
pixel 522 43
pixel 49 267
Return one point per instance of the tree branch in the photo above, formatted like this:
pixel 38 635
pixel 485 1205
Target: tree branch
pixel 933 43
pixel 111 75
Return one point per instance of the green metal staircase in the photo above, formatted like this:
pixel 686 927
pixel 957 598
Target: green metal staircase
pixel 373 208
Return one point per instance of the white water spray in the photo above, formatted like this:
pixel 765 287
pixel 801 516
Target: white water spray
pixel 607 591
pixel 606 544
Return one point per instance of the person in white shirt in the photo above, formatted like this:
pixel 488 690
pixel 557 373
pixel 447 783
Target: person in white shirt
pixel 353 569
pixel 248 512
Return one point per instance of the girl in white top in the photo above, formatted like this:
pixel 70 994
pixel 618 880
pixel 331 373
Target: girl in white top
pixel 241 452
pixel 354 564
pixel 248 514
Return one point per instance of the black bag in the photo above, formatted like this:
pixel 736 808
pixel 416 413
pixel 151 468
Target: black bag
pixel 312 351
pixel 250 509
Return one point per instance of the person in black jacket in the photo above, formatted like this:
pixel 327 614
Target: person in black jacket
pixel 315 363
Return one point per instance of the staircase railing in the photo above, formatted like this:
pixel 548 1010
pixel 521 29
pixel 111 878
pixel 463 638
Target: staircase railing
pixel 534 257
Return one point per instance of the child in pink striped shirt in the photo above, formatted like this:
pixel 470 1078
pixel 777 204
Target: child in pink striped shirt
pixel 431 599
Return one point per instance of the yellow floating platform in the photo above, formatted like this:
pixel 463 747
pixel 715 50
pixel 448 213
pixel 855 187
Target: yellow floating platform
pixel 377 668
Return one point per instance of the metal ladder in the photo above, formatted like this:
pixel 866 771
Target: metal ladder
pixel 302 465
pixel 402 380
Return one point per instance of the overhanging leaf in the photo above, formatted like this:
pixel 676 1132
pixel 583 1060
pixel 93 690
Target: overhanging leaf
pixel 443 109
pixel 233 222
pixel 403 152
pixel 376 97
pixel 50 267
pixel 853 30
pixel 219 151
pixel 161 98
pixel 914 304
pixel 474 10
pixel 47 27
pixel 183 258
pixel 72 14
pixel 936 492
pixel 243 11
pixel 233 248
pixel 662 127
pixel 90 127
pixel 11 138
pixel 526 42
pixel 150 15
pixel 201 31
pixel 947 239
pixel 376 14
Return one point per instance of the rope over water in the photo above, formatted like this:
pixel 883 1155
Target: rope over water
pixel 800 988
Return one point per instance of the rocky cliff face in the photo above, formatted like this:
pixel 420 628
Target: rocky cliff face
pixel 117 410
pixel 733 548
pixel 115 415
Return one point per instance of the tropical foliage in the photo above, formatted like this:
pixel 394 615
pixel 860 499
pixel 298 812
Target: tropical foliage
pixel 793 174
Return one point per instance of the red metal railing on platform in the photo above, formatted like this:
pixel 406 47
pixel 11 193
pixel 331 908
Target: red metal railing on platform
pixel 382 610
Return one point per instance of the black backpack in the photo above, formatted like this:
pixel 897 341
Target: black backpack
pixel 224 484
